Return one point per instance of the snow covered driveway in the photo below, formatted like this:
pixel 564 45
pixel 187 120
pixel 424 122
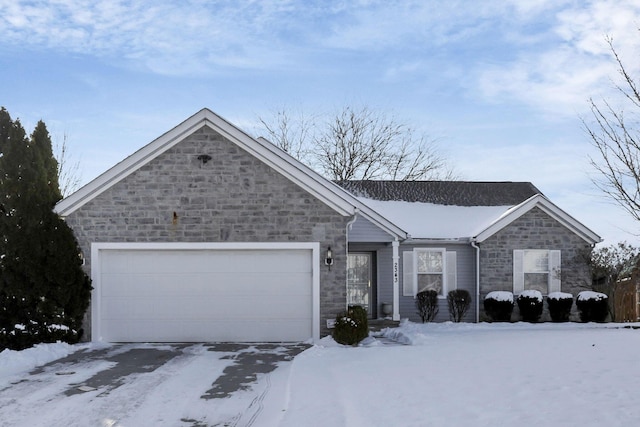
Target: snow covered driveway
pixel 146 385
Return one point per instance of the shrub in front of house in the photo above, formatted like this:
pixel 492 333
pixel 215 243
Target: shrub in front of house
pixel 498 305
pixel 459 301
pixel 593 306
pixel 427 305
pixel 530 305
pixel 559 304
pixel 351 326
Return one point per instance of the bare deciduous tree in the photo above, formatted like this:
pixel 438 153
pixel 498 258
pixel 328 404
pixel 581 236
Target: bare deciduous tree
pixel 290 130
pixel 68 169
pixel 610 264
pixel 358 144
pixel 616 135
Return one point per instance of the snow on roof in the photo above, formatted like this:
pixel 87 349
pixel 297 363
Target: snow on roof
pixel 433 221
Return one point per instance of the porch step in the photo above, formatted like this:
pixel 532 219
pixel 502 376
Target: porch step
pixel 376 325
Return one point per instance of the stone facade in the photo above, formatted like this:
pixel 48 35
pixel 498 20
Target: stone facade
pixel 533 230
pixel 234 197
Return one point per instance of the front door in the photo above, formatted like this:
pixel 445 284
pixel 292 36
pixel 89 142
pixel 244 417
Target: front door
pixel 360 281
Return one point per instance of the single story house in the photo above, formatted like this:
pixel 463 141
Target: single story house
pixel 207 234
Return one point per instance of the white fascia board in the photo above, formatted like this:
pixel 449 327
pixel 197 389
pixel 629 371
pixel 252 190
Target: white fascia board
pixel 570 222
pixel 328 192
pixel 280 161
pixel 380 221
pixel 546 206
pixel 129 165
pixel 435 241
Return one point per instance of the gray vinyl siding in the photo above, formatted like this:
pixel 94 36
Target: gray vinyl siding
pixel 365 231
pixel 385 276
pixel 364 236
pixel 466 279
pixel 384 267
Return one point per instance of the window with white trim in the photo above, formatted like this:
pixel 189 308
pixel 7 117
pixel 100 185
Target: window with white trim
pixel 536 269
pixel 428 268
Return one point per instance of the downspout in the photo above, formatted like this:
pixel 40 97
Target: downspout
pixel 349 224
pixel 477 248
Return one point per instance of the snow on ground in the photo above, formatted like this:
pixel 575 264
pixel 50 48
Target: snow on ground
pixel 12 362
pixel 442 375
pixel 468 374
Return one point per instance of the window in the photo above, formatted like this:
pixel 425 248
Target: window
pixel 536 269
pixel 428 268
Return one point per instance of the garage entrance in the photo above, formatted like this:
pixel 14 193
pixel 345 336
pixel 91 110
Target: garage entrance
pixel 205 292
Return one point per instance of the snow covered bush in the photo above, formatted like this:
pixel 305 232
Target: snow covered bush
pixel 351 326
pixel 559 304
pixel 498 305
pixel 427 305
pixel 530 305
pixel 593 306
pixel 459 301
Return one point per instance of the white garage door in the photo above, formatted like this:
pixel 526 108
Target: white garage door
pixel 184 295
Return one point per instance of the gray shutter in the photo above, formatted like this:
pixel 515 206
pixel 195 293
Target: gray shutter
pixel 554 271
pixel 407 274
pixel 451 276
pixel 518 272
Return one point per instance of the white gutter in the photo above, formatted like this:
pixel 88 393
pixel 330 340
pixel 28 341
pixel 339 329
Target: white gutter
pixel 445 241
pixel 475 245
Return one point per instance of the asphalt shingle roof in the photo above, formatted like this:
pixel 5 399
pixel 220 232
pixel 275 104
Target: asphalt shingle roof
pixel 458 193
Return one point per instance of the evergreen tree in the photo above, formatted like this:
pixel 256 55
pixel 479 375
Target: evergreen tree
pixel 43 290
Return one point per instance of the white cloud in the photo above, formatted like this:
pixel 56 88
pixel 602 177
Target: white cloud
pixel 548 54
pixel 168 37
pixel 559 77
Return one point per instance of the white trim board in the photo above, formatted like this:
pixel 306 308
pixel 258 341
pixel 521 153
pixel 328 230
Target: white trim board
pixel 546 206
pixel 328 192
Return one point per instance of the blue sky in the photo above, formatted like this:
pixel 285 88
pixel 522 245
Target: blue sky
pixel 502 85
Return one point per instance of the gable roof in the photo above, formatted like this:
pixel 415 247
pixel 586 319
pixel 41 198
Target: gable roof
pixel 328 192
pixel 546 206
pixel 458 193
pixel 459 210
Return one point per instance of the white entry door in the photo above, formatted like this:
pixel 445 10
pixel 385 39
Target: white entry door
pixel 200 295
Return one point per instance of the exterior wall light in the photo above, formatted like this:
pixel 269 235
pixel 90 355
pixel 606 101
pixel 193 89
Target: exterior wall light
pixel 204 158
pixel 329 259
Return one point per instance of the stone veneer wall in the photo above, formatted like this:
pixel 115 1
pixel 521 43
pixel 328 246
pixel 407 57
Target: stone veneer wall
pixel 234 197
pixel 534 230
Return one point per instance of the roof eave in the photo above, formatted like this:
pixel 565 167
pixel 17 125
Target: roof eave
pixel 550 209
pixel 130 164
pixel 328 192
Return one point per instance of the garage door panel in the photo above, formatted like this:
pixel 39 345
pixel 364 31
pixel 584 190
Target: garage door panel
pixel 204 284
pixel 206 295
pixel 185 331
pixel 226 308
pixel 161 262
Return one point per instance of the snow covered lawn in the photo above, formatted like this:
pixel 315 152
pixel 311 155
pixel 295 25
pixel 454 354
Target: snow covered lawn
pixel 445 375
pixel 480 375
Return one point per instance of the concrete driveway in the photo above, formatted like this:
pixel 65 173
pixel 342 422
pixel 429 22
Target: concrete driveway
pixel 199 385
